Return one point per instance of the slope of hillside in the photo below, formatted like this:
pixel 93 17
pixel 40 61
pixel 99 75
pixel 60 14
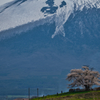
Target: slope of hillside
pixel 86 95
pixel 41 41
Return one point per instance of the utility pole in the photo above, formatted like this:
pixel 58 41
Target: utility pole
pixel 37 92
pixel 29 93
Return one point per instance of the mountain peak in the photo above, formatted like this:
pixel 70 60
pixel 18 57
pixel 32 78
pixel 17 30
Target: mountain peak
pixel 22 12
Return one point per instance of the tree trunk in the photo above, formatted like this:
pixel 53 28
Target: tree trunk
pixel 87 88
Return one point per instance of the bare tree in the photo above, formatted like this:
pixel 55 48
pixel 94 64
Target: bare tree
pixel 84 77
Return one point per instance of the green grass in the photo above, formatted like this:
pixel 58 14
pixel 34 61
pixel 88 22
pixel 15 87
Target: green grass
pixel 85 95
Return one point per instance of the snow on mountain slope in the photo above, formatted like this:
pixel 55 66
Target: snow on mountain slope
pixel 2 2
pixel 21 12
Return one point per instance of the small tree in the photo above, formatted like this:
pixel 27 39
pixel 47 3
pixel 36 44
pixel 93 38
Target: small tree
pixel 84 77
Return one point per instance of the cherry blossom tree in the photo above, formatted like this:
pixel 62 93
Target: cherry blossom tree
pixel 84 77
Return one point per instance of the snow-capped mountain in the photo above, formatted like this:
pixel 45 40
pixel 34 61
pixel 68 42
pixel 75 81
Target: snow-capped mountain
pixel 41 40
pixel 21 12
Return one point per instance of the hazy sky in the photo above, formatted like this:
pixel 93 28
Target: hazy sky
pixel 4 1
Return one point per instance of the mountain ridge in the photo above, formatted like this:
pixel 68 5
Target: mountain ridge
pixel 26 15
pixel 41 52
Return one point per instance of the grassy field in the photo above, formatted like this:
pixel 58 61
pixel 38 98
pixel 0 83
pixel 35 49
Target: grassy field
pixel 85 95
